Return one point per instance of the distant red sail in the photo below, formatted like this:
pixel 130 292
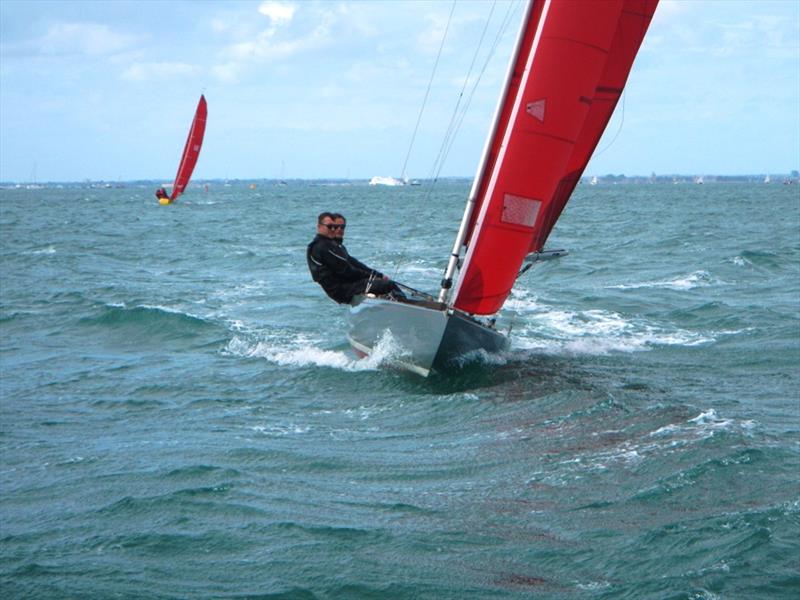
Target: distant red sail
pixel 569 53
pixel 191 152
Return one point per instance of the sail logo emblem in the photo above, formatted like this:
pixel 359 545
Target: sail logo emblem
pixel 536 109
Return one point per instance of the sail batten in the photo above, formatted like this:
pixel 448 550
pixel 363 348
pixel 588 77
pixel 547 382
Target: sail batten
pixel 569 70
pixel 191 150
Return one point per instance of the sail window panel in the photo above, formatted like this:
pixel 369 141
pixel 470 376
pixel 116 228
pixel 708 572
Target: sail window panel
pixel 520 211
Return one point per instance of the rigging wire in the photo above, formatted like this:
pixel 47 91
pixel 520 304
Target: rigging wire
pixel 451 125
pixel 427 91
pixel 448 143
pixel 457 120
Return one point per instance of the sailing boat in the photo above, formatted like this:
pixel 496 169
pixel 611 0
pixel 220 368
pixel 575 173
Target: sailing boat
pixel 566 74
pixel 191 152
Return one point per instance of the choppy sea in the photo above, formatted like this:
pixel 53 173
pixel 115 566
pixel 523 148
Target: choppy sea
pixel 181 415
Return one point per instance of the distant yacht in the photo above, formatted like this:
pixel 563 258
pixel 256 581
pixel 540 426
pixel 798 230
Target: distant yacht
pixel 767 179
pixel 390 181
pixel 593 181
pixel 699 180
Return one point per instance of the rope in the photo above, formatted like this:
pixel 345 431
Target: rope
pixel 427 91
pixel 451 129
pixel 619 129
pixel 456 119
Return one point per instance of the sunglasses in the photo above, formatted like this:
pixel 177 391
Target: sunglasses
pixel 333 227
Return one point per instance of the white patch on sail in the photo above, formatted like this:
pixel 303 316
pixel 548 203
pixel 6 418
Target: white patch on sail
pixel 520 211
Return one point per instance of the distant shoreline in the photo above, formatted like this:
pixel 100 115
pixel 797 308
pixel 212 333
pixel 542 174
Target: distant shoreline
pixel 765 178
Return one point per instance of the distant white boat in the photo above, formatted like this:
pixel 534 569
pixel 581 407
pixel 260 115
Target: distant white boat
pixel 767 179
pixel 593 181
pixel 699 180
pixel 390 181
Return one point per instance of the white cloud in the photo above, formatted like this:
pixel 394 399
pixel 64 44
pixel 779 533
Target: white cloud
pixel 279 40
pixel 277 12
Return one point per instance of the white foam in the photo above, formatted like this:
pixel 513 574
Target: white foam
pixel 281 429
pixel 300 352
pixel 666 439
pixel 740 261
pixel 483 357
pixel 595 332
pixel 243 290
pixel 594 585
pixel 707 424
pixel 47 250
pixel 688 282
pixel 171 310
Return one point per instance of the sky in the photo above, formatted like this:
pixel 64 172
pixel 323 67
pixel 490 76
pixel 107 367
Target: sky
pixel 105 91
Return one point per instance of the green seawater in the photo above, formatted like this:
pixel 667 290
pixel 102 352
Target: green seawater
pixel 181 415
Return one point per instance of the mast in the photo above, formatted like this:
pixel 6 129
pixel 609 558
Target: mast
pixel 461 236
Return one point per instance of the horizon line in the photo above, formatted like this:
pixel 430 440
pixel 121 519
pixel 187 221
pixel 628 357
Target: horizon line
pixel 161 181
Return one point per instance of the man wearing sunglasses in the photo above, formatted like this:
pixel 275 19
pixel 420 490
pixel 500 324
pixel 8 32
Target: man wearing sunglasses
pixel 339 274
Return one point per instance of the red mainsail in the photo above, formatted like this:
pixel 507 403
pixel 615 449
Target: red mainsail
pixel 191 151
pixel 632 25
pixel 571 65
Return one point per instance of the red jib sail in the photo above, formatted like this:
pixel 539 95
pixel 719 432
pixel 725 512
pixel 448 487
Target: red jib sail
pixel 191 151
pixel 571 65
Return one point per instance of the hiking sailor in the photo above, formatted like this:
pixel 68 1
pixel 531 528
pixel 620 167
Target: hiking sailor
pixel 339 274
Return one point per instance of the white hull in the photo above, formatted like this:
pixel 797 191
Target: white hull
pixel 428 335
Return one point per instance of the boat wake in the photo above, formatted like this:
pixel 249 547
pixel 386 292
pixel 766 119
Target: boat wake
pixel 302 352
pixel 594 331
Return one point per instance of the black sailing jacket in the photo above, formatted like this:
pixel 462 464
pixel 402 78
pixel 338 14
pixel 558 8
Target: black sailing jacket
pixel 334 269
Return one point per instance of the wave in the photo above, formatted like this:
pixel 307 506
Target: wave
pixel 41 251
pixel 762 259
pixel 533 327
pixel 704 425
pixel 153 322
pixel 676 438
pixel 691 281
pixel 593 331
